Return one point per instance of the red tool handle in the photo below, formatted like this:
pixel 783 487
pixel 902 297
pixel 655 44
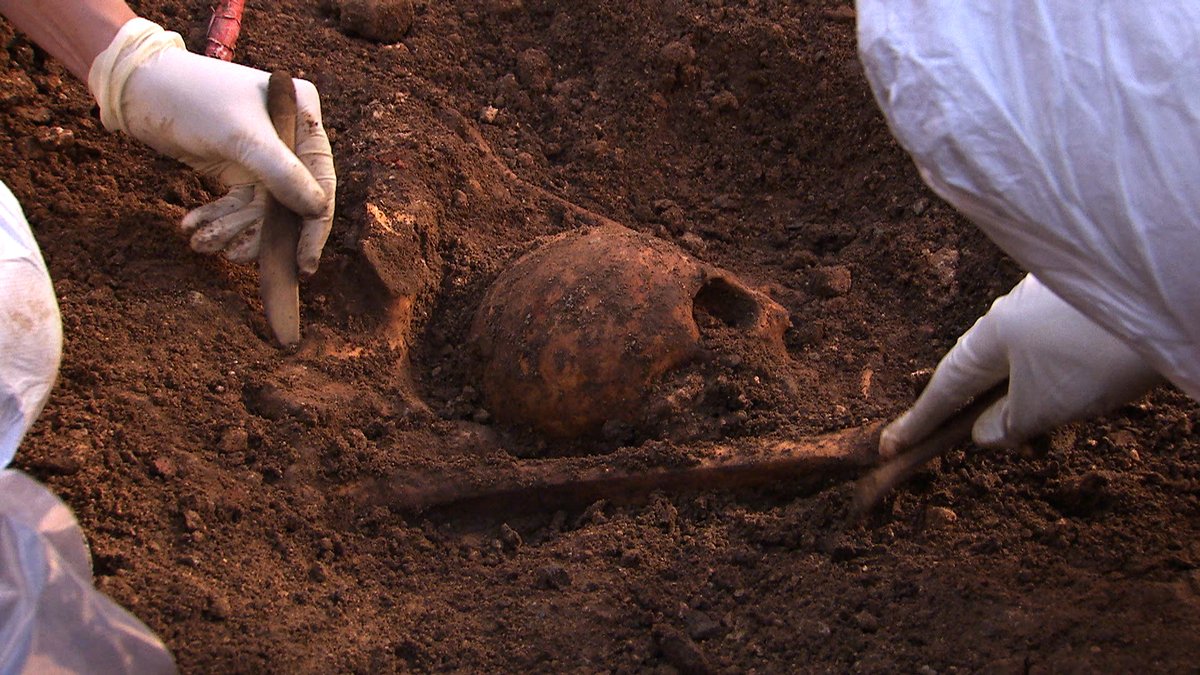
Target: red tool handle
pixel 223 29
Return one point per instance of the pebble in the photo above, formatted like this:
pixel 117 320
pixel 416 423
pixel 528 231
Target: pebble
pixel 164 467
pixel 594 514
pixel 666 515
pixel 219 608
pixel 819 628
pixel 701 626
pixel 34 114
pixel 317 573
pixel 192 521
pixel 728 201
pixel 693 242
pixel 56 138
pixel 940 516
pixel 377 20
pixel 678 53
pixel 534 70
pixel 866 621
pixel 235 439
pixel 510 538
pixel 553 577
pixel 505 7
pixel 725 101
pixel 944 263
pixel 680 651
pixel 1124 439
pixel 831 281
pixel 840 14
pixel 670 214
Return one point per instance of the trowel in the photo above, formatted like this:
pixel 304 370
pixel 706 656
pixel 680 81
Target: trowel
pixel 279 283
pixel 576 482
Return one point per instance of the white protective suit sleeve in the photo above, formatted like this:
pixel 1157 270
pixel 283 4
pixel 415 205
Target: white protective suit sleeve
pixel 52 619
pixel 30 328
pixel 1070 133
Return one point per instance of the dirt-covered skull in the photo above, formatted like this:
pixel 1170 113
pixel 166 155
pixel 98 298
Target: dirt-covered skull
pixel 578 333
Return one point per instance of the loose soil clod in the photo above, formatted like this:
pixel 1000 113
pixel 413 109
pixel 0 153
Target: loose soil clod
pixel 379 20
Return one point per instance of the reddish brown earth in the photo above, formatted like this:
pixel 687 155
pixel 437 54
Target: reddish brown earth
pixel 236 497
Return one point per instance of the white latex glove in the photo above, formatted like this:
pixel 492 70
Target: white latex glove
pixel 212 115
pixel 1003 105
pixel 1060 365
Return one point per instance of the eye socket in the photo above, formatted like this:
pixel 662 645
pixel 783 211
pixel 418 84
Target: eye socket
pixel 729 304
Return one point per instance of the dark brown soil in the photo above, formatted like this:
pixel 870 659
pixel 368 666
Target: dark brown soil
pixel 236 497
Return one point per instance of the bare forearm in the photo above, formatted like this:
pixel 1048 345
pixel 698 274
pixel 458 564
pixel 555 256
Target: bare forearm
pixel 74 32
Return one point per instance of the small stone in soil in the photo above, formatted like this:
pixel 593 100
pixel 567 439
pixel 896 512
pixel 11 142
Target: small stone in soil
pixel 505 7
pixel 680 651
pixel 630 558
pixel 534 70
pixel 164 467
pixel 831 281
pixel 218 608
pixel 192 521
pixel 725 101
pixel 378 20
pixel 317 572
pixel 940 516
pixel 593 515
pixel 510 538
pixel 234 439
pixel 678 53
pixel 553 577
pixel 866 621
pixel 701 626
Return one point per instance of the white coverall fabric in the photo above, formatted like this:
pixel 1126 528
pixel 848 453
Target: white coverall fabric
pixel 30 328
pixel 52 619
pixel 1070 133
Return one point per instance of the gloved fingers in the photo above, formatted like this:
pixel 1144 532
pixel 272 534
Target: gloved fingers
pixel 244 247
pixel 313 234
pixel 996 427
pixel 218 234
pixel 234 200
pixel 284 175
pixel 1082 372
pixel 973 365
pixel 1034 403
pixel 313 149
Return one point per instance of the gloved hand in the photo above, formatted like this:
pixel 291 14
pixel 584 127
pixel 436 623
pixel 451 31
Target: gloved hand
pixel 1060 366
pixel 212 115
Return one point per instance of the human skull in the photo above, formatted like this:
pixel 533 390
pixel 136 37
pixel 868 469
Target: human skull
pixel 577 332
